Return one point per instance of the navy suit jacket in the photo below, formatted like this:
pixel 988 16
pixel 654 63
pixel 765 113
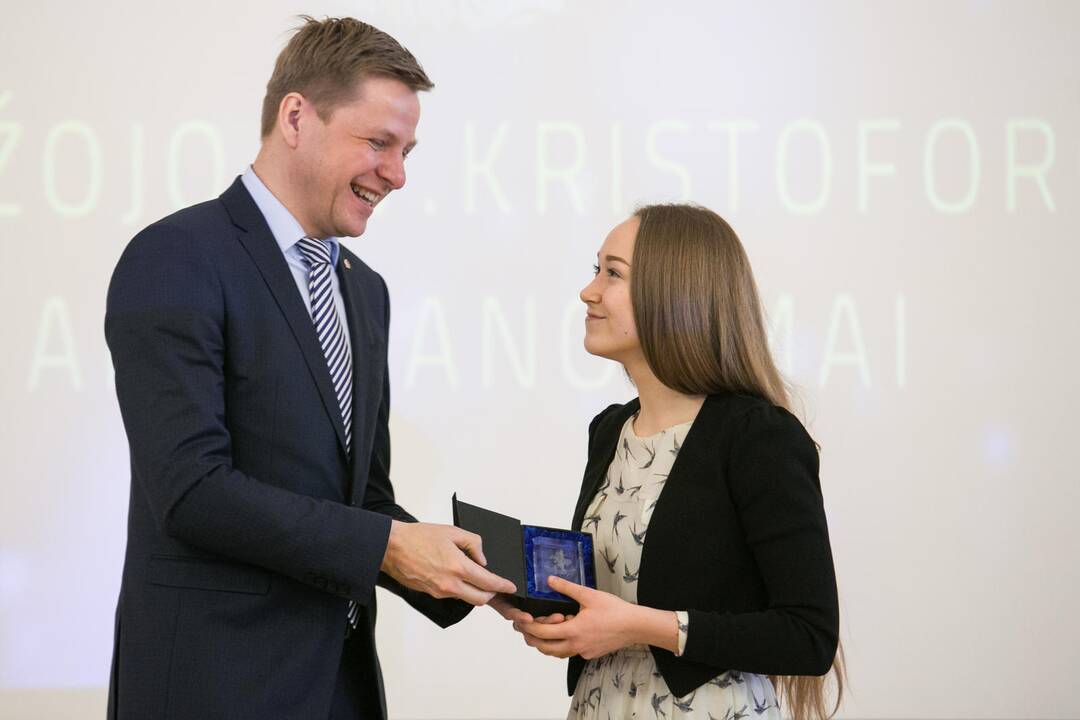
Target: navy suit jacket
pixel 249 527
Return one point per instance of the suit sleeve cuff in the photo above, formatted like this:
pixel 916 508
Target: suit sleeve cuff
pixel 365 556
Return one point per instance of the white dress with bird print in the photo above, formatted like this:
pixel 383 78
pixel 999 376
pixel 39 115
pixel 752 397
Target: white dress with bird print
pixel 626 684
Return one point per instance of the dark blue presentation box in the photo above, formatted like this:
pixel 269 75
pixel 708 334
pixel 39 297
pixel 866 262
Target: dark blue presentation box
pixel 527 554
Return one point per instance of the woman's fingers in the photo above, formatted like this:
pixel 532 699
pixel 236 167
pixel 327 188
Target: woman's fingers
pixel 552 619
pixel 554 648
pixel 543 631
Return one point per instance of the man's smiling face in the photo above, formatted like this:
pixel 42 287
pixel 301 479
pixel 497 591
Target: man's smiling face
pixel 348 164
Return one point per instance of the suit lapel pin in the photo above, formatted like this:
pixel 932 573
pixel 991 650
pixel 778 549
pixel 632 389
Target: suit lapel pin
pixel 348 265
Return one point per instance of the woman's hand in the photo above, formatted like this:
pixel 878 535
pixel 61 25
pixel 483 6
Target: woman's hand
pixel 603 625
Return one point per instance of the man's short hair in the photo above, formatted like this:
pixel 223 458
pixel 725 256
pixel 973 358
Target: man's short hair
pixel 325 60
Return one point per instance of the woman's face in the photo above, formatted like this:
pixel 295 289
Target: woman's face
pixel 609 323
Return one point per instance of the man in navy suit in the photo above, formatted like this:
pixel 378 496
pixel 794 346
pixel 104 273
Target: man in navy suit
pixel 250 355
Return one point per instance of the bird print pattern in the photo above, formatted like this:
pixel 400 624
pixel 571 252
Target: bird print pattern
pixel 627 684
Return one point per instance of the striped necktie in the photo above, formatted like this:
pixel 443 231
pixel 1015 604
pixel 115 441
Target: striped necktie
pixel 328 327
pixel 334 346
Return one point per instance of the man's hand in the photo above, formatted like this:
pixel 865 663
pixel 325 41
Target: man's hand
pixel 504 607
pixel 442 561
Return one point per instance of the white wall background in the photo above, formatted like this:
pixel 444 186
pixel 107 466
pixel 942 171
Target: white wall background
pixel 905 178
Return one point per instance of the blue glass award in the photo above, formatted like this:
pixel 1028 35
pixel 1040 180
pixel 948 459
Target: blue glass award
pixel 528 554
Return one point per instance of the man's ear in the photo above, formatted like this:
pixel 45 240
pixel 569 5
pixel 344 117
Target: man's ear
pixel 290 111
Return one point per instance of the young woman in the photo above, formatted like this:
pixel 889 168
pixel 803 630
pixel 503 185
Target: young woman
pixel 714 572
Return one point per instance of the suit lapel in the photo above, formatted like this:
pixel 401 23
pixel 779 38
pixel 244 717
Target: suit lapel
pixel 260 244
pixel 365 382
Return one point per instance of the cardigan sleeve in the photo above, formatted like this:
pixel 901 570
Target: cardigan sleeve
pixel 772 475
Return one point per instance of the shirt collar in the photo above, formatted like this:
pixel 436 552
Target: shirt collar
pixel 286 230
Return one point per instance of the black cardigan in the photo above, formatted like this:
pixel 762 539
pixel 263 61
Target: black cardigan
pixel 738 539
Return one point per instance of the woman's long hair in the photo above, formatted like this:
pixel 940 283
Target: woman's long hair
pixel 700 324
